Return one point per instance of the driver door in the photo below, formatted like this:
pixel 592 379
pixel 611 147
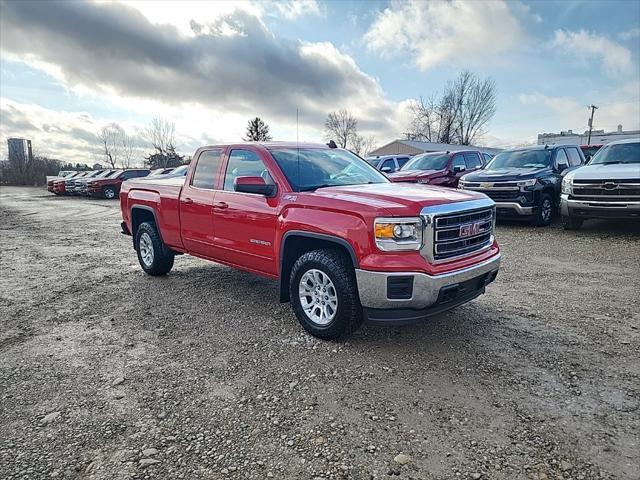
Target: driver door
pixel 245 223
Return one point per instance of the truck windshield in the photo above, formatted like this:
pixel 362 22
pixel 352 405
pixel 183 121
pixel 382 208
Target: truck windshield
pixel 427 161
pixel 619 153
pixel 311 168
pixel 115 174
pixel 521 159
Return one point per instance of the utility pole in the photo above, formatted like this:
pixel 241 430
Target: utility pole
pixel 593 110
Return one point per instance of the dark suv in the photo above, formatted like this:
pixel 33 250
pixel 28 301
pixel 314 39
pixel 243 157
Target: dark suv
pixel 388 163
pixel 440 168
pixel 525 183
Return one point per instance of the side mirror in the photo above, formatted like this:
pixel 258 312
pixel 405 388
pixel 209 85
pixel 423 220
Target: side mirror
pixel 386 169
pixel 255 185
pixel 458 169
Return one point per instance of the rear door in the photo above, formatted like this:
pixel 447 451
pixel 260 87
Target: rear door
pixel 196 203
pixel 245 223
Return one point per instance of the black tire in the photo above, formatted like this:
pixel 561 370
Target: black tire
pixel 161 260
pixel 571 223
pixel 109 193
pixel 339 270
pixel 544 212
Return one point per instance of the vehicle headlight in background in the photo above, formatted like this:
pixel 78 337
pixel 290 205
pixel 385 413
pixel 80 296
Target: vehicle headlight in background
pixel 527 183
pixel 567 183
pixel 393 234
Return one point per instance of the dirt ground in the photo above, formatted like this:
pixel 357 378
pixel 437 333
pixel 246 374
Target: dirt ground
pixel 108 373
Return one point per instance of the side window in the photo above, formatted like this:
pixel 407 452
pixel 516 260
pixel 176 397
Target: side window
pixel 388 163
pixel 486 157
pixel 244 163
pixel 561 158
pixel 206 173
pixel 574 157
pixel 402 161
pixel 472 160
pixel 458 161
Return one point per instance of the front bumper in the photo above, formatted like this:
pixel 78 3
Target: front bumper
pixel 422 295
pixel 513 208
pixel 570 207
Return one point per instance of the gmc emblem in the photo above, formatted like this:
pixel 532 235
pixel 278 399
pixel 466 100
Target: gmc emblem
pixel 469 230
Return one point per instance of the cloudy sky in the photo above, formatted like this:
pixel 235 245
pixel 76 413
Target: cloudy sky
pixel 69 68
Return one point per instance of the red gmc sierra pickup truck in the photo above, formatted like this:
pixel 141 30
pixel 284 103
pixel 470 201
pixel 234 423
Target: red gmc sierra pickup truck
pixel 345 244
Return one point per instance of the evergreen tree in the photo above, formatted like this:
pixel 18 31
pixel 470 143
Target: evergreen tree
pixel 257 131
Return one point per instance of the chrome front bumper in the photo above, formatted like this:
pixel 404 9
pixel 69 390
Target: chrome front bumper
pixel 516 207
pixel 597 206
pixel 373 290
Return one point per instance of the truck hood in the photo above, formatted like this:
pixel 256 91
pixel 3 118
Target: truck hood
pixel 504 174
pixel 619 171
pixel 400 199
pixel 409 175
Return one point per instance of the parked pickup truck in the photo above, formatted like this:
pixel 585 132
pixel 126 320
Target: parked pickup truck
pixel 344 243
pixel 608 187
pixel 110 186
pixel 440 168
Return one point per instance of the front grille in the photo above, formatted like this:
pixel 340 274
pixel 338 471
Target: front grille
pixel 462 233
pixel 614 189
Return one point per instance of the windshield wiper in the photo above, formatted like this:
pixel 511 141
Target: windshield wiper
pixel 315 187
pixel 611 163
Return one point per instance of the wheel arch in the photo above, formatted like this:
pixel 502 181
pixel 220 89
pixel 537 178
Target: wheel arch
pixel 140 214
pixel 295 243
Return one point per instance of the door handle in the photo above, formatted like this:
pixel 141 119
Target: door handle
pixel 221 205
pixel 187 200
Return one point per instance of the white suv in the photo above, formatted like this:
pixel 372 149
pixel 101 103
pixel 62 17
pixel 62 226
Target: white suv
pixel 608 187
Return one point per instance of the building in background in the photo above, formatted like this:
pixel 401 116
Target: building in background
pixel 413 147
pixel 20 151
pixel 598 137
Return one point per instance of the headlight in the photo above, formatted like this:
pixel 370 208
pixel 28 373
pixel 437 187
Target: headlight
pixel 567 183
pixel 393 234
pixel 461 184
pixel 423 180
pixel 527 183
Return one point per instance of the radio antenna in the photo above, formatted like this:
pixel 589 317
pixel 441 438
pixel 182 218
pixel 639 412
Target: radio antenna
pixel 298 144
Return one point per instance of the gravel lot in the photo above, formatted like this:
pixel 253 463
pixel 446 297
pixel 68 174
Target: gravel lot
pixel 107 373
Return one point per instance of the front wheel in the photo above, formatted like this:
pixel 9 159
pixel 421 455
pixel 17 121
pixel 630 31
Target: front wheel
pixel 109 193
pixel 155 259
pixel 544 212
pixel 324 294
pixel 571 223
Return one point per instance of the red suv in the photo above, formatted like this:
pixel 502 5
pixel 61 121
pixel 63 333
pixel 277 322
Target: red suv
pixel 443 169
pixel 110 187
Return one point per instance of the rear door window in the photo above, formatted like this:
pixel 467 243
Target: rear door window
pixel 472 160
pixel 574 157
pixel 458 161
pixel 206 173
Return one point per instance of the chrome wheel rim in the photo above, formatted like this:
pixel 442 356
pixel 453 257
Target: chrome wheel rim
pixel 318 297
pixel 146 249
pixel 546 210
pixel 109 193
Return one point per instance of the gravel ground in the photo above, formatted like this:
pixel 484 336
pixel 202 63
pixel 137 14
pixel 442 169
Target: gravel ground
pixel 107 373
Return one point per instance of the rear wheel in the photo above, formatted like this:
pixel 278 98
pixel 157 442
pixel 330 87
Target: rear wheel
pixel 109 192
pixel 154 257
pixel 571 223
pixel 544 212
pixel 324 294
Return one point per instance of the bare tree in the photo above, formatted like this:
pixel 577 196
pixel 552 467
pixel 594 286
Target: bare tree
pixel 458 116
pixel 160 133
pixel 110 138
pixel 362 145
pixel 341 126
pixel 475 102
pixel 127 150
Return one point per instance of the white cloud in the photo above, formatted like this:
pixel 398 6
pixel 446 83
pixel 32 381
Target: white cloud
pixel 587 46
pixel 433 33
pixel 630 34
pixel 567 112
pixel 293 9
